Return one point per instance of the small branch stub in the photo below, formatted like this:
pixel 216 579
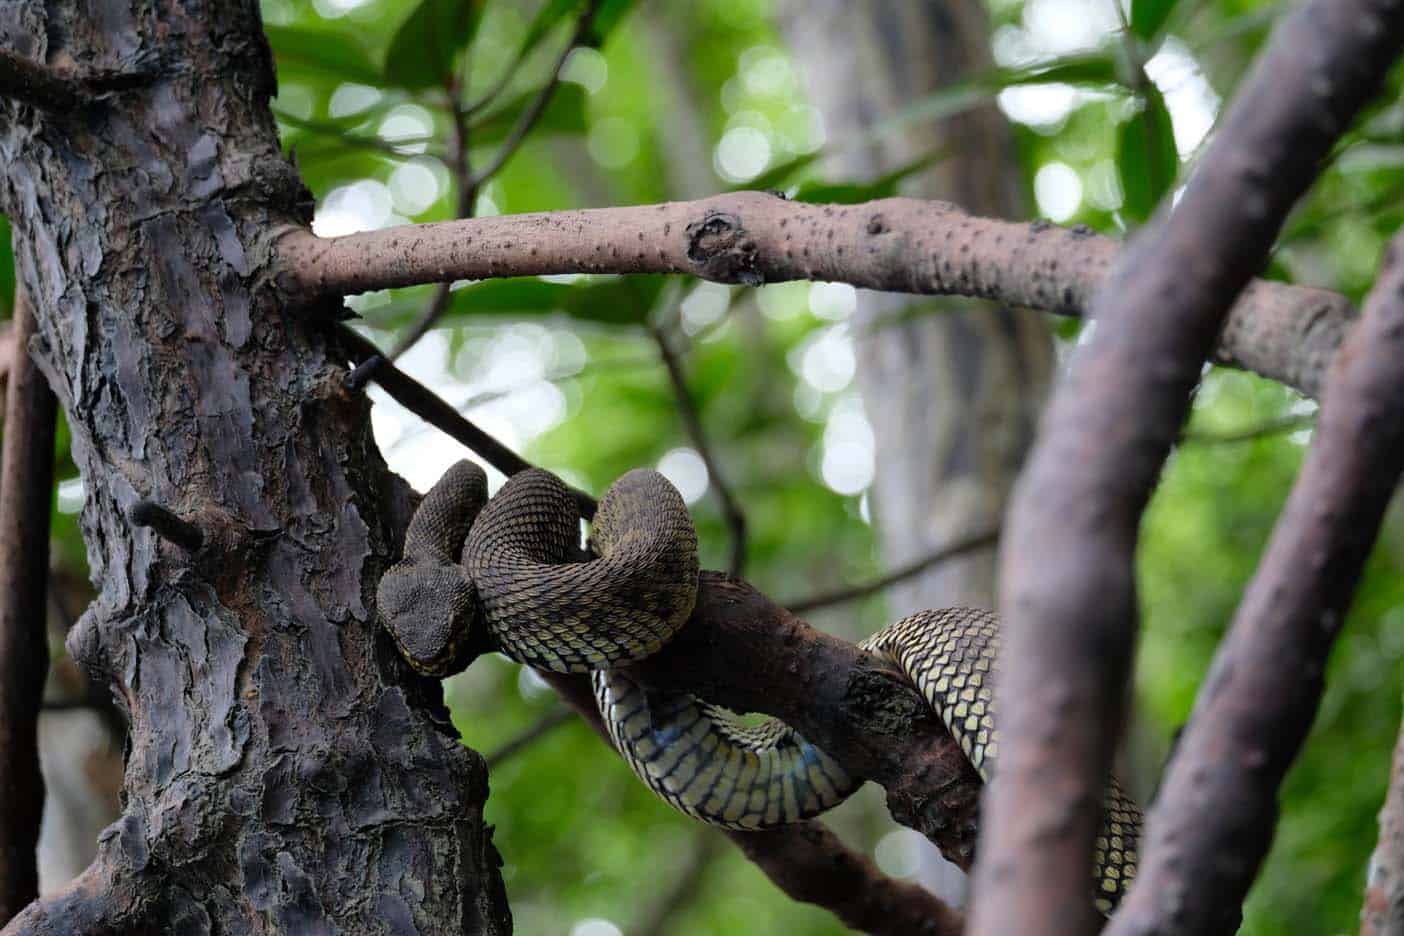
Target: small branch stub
pixel 167 525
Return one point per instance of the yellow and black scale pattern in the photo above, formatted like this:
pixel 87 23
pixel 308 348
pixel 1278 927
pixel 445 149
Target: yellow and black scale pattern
pixel 547 611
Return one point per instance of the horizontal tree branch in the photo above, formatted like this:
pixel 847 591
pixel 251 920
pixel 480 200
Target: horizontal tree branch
pixel 1287 333
pixel 1068 590
pixel 810 864
pixel 1214 818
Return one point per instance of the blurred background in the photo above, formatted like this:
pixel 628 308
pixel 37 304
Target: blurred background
pixel 855 433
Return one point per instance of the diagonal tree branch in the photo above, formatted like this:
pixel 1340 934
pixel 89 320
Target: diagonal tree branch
pixel 692 420
pixel 1214 817
pixel 1383 913
pixel 425 404
pixel 1287 333
pixel 810 864
pixel 1068 596
pixel 854 592
pixel 26 491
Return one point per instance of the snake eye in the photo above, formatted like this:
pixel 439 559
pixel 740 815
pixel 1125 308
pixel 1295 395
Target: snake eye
pixel 431 612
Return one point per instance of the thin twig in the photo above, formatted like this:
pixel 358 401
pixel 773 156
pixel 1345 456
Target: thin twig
pixel 431 408
pixel 703 849
pixel 692 420
pixel 530 735
pixel 26 491
pixel 532 114
pixel 970 544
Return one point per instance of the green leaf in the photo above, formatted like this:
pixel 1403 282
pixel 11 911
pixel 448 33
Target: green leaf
pixel 424 50
pixel 1146 157
pixel 564 114
pixel 1092 69
pixel 1148 17
pixel 322 52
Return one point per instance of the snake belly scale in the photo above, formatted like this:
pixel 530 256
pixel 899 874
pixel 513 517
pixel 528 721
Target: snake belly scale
pixel 503 573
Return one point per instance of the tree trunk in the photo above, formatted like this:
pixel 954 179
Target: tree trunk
pixel 286 773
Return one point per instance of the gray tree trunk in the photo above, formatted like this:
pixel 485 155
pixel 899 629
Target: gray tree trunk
pixel 953 397
pixel 283 775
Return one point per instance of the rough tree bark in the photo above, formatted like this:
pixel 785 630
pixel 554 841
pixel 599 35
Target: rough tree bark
pixel 285 775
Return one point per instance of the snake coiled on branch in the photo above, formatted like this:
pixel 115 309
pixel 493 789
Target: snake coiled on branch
pixel 506 574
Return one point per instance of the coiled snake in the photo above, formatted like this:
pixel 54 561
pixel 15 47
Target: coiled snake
pixel 504 568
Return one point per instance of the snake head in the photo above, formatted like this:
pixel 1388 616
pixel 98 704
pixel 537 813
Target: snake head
pixel 431 611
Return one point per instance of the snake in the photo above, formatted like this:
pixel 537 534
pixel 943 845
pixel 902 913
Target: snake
pixel 508 573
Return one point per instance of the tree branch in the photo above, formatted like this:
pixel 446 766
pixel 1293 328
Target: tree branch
pixel 25 80
pixel 1286 333
pixel 810 864
pixel 692 420
pixel 1383 913
pixel 854 592
pixel 26 491
pixel 1068 595
pixel 1262 691
pixel 529 736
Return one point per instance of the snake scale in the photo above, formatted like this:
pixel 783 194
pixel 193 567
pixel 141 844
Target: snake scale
pixel 504 573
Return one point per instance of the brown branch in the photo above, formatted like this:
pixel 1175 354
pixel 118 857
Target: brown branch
pixel 51 89
pixel 810 864
pixel 26 491
pixel 1068 593
pixel 854 592
pixel 1287 333
pixel 1383 913
pixel 529 736
pixel 1214 817
pixel 25 80
pixel 7 349
pixel 425 404
pixel 692 421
